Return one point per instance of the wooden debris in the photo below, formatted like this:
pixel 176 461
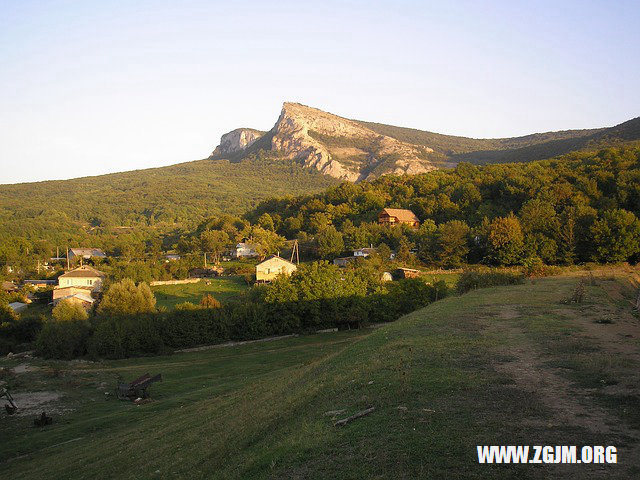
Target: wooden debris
pixel 344 421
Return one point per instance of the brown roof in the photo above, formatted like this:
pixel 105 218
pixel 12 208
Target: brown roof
pixel 8 286
pixel 403 215
pixel 83 272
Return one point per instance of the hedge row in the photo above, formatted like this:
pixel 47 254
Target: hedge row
pixel 151 334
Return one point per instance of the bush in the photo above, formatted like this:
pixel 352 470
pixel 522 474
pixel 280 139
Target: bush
pixel 122 337
pixel 64 340
pixel 473 279
pixel 208 301
pixel 67 311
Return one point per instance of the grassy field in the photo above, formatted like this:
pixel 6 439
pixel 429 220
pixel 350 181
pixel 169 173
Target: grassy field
pixel 511 365
pixel 222 288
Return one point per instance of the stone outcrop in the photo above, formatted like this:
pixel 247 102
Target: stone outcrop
pixel 236 141
pixel 333 145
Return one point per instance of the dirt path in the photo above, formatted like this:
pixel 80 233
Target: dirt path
pixel 571 405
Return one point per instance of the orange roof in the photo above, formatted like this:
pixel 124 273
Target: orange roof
pixel 401 214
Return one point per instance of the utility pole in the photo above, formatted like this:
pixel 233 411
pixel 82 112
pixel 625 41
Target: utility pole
pixel 205 259
pixel 295 251
pixel 68 267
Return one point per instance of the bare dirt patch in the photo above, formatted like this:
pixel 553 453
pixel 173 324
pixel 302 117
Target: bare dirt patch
pixel 33 403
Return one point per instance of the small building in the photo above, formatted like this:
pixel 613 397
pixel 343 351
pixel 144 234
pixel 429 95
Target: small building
pixel 364 252
pixel 38 284
pixel 83 298
pixel 85 253
pixel 84 276
pixel 273 266
pixel 17 307
pixel 9 287
pixel 398 216
pixel 172 257
pixel 245 250
pixel 344 261
pixel 408 273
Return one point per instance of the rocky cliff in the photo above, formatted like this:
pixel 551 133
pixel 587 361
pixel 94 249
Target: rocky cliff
pixel 333 145
pixel 236 141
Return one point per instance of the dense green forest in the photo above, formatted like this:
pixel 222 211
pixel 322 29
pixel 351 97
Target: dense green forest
pixel 580 207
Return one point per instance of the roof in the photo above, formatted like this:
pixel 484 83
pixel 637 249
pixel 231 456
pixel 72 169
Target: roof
pixel 8 286
pixel 366 250
pixel 84 271
pixel 80 296
pixel 37 282
pixel 245 245
pixel 402 214
pixel 91 252
pixel 275 257
pixel 17 306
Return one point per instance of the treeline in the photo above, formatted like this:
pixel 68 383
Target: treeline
pixel 317 296
pixel 577 208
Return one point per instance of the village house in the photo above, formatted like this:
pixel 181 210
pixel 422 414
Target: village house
pixel 85 253
pixel 38 284
pixel 75 295
pixel 171 257
pixel 9 287
pixel 245 250
pixel 397 216
pixel 273 266
pixel 85 277
pixel 364 252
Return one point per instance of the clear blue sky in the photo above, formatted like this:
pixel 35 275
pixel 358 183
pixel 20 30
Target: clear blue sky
pixel 90 87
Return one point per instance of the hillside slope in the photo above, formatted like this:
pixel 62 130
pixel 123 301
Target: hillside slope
pixel 177 196
pixel 508 365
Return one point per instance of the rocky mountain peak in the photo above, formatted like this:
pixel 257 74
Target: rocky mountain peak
pixel 333 145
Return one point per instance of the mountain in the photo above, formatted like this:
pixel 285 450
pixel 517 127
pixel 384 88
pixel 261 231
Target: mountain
pixel 355 150
pixel 305 152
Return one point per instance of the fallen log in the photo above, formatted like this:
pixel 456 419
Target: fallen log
pixel 344 421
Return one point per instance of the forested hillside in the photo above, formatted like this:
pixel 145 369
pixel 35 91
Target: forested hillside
pixel 576 208
pixel 166 198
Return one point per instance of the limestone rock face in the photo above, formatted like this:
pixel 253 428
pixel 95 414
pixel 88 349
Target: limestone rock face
pixel 342 148
pixel 333 145
pixel 236 141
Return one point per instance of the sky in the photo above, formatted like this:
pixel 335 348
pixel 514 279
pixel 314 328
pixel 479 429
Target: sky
pixel 93 87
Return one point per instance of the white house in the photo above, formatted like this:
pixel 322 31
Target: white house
pixel 84 276
pixel 364 252
pixel 273 266
pixel 245 250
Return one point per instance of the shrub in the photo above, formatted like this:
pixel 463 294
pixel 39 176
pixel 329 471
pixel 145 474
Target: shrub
pixel 208 301
pixel 125 298
pixel 186 306
pixel 67 311
pixel 473 279
pixel 64 340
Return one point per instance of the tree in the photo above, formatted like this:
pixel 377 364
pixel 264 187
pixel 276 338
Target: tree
pixel 616 236
pixel 266 241
pixel 68 310
pixel 125 298
pixel 7 315
pixel 329 242
pixel 452 243
pixel 208 301
pixel 215 242
pixel 506 240
pixel 266 221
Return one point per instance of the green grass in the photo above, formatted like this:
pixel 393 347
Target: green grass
pixel 224 289
pixel 442 380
